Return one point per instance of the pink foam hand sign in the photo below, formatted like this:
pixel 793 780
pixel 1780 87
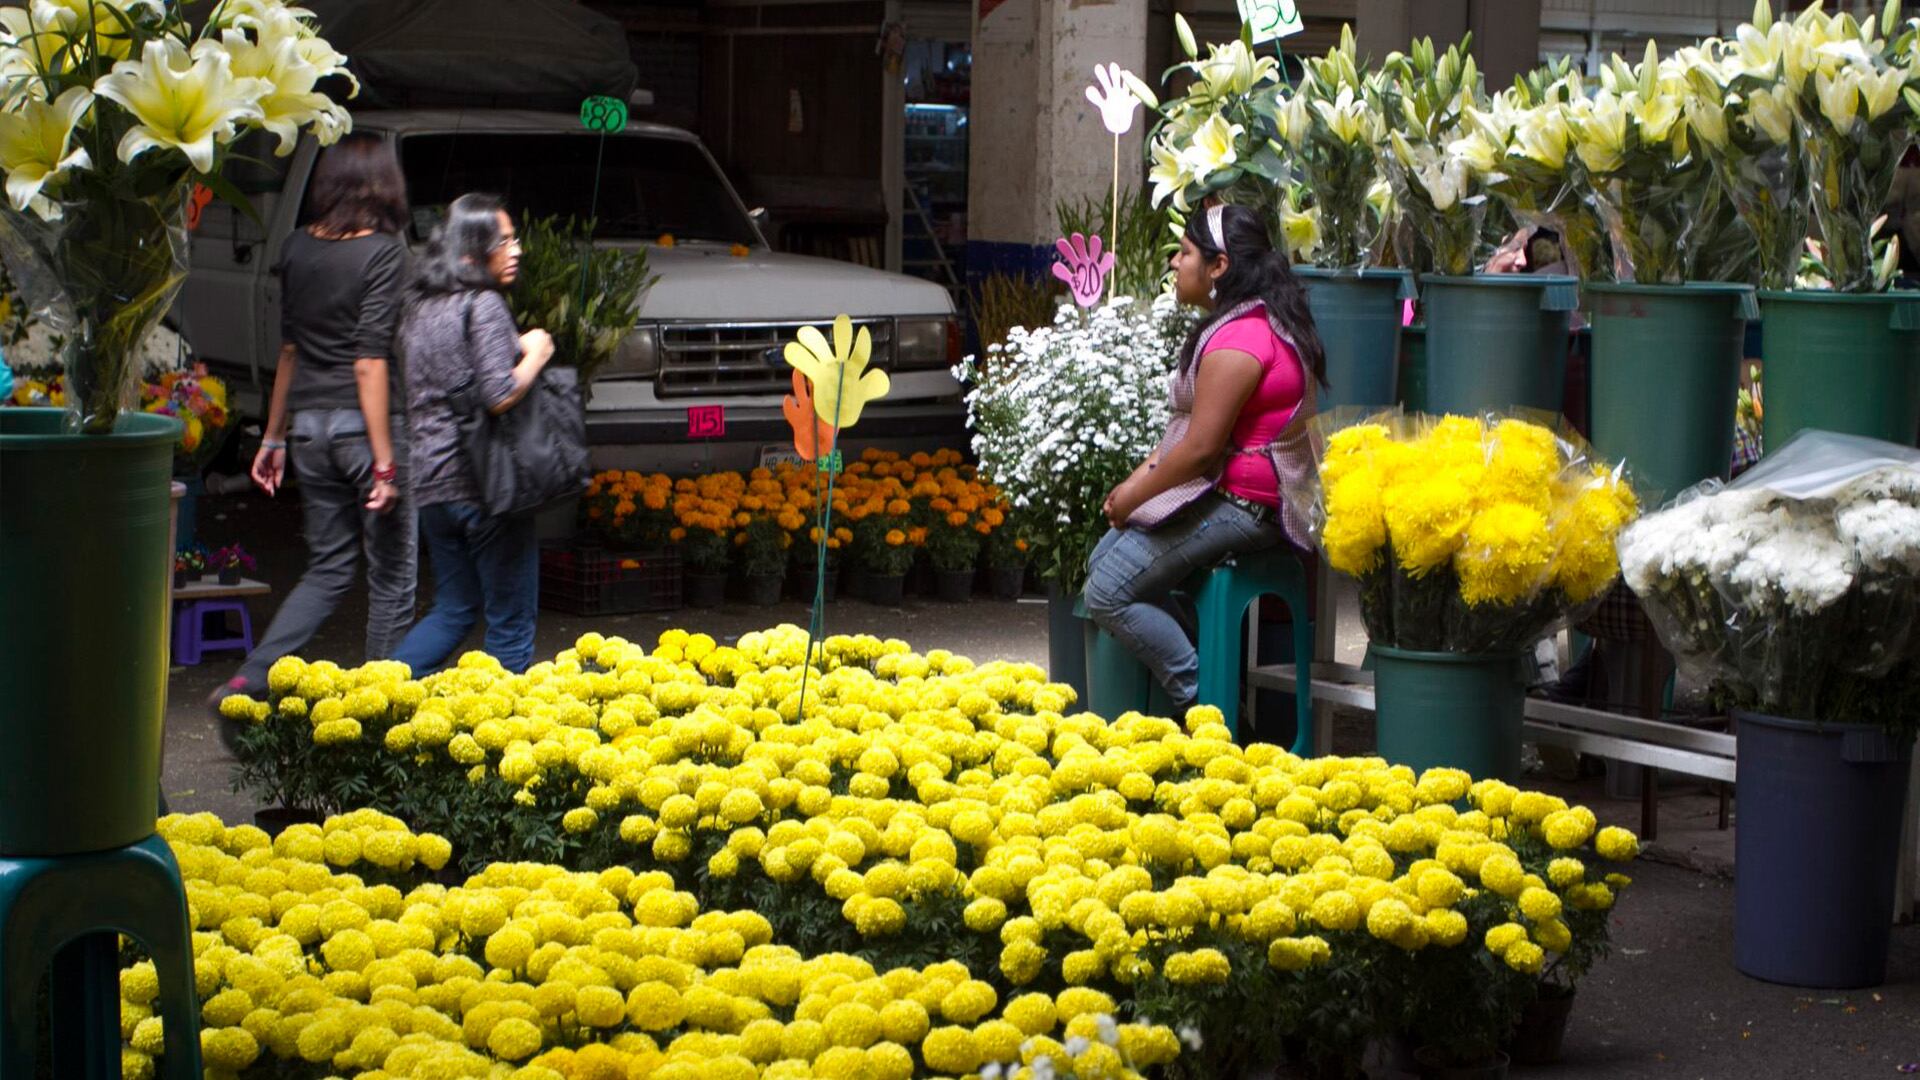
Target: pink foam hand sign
pixel 1084 266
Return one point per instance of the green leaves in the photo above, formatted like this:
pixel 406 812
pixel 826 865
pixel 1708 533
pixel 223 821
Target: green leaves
pixel 587 297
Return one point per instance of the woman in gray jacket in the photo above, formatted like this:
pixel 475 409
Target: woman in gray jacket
pixel 458 332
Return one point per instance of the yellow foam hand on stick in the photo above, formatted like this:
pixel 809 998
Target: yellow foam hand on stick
pixel 842 385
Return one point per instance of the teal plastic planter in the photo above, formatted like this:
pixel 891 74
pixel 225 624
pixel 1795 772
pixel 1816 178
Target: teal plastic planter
pixel 1666 376
pixel 1495 341
pixel 1357 314
pixel 1847 362
pixel 1413 367
pixel 85 585
pixel 1450 710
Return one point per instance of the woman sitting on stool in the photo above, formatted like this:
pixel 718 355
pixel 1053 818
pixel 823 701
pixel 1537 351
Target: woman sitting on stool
pixel 1241 398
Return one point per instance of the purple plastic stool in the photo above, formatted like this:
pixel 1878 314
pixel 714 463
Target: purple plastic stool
pixel 189 642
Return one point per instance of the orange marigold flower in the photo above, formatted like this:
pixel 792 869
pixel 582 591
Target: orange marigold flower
pixel 956 519
pixel 678 534
pixel 895 538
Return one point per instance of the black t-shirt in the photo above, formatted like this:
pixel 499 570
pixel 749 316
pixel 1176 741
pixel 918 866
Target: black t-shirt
pixel 340 302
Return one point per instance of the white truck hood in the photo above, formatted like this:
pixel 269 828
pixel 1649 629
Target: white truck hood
pixel 707 282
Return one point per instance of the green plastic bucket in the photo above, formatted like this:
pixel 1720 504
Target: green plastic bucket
pixel 1358 317
pixel 1067 641
pixel 85 587
pixel 1497 340
pixel 1413 367
pixel 1847 362
pixel 1666 376
pixel 1450 710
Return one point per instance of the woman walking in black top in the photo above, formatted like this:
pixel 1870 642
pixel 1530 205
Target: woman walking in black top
pixel 337 412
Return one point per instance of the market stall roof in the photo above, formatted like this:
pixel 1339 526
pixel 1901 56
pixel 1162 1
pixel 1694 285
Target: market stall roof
pixel 539 54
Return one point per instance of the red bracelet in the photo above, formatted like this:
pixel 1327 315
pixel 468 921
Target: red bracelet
pixel 387 475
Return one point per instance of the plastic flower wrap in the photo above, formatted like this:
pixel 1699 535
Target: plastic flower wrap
pixel 1795 587
pixel 1467 534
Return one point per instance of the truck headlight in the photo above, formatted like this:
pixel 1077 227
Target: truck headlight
pixel 923 343
pixel 638 354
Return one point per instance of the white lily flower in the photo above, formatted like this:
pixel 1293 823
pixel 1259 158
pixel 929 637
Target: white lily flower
pixel 1302 232
pixel 1839 97
pixel 1770 112
pixel 1345 116
pixel 1169 175
pixel 1881 91
pixel 1543 136
pixel 1707 119
pixel 1213 147
pixel 36 147
pixel 190 102
pixel 293 103
pixel 1600 127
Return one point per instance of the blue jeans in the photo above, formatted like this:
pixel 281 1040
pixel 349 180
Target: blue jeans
pixel 482 565
pixel 1132 577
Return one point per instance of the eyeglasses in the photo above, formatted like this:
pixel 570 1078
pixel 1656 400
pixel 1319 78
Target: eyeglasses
pixel 505 242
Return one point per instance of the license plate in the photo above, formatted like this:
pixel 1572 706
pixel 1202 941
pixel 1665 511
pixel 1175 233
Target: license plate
pixel 775 456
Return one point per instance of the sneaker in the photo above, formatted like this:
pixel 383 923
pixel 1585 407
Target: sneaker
pixel 235 685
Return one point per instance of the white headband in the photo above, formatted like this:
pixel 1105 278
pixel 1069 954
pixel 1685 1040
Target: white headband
pixel 1214 213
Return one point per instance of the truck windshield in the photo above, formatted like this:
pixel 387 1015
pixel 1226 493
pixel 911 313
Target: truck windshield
pixel 648 186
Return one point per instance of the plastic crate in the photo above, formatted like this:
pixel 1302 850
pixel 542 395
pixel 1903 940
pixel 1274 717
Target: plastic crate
pixel 594 581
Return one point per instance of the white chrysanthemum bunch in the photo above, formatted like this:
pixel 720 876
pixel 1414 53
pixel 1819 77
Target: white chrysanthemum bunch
pixel 1062 413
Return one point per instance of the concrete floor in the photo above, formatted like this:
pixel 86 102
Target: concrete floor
pixel 1668 1003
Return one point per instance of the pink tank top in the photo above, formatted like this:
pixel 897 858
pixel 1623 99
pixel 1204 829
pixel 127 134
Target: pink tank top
pixel 1268 409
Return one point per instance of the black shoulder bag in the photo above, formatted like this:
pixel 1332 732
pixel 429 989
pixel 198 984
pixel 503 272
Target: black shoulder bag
pixel 534 453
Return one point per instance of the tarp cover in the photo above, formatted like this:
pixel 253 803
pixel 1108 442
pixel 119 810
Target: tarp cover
pixel 529 54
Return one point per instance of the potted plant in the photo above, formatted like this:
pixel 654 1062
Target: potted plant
pixel 1668 333
pixel 762 545
pixel 627 511
pixel 1817 112
pixel 1061 415
pixel 188 565
pixel 1470 540
pixel 706 510
pixel 115 111
pixel 1005 553
pixel 1791 590
pixel 886 557
pixel 230 562
pixel 953 546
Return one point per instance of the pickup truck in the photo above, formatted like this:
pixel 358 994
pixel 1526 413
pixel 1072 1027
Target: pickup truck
pixel 712 326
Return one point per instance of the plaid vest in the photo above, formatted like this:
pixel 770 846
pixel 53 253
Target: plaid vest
pixel 1290 453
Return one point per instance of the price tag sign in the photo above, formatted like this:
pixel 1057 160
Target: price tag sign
pixel 1270 19
pixel 830 463
pixel 603 113
pixel 707 422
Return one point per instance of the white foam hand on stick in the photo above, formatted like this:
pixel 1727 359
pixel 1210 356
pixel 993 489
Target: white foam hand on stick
pixel 1113 98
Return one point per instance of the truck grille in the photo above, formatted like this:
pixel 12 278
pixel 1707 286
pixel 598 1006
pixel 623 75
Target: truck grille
pixel 706 359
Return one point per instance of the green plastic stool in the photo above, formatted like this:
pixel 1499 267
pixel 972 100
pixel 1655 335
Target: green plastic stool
pixel 63 912
pixel 1223 600
pixel 1117 682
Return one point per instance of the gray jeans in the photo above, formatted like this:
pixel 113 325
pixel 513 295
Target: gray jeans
pixel 330 456
pixel 1132 577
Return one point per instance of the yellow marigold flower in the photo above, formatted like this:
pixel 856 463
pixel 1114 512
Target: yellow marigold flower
pixel 1524 957
pixel 1336 910
pixel 514 1039
pixel 1197 967
pixel 904 1022
pixel 950 1050
pixel 1502 873
pixel 968 1002
pixel 1502 937
pixel 1616 844
pixel 1446 927
pixel 1539 905
pixel 1553 935
pixel 985 914
pixel 1566 872
pixel 579 819
pixel 655 1006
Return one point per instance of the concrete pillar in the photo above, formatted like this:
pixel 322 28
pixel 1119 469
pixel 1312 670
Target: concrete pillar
pixel 1506 33
pixel 1035 140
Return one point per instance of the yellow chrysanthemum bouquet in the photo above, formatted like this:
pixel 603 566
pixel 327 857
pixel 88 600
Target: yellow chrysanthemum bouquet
pixel 1467 534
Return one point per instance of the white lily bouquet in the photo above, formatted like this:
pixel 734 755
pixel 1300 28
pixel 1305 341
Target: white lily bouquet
pixel 1333 127
pixel 1523 143
pixel 1219 137
pixel 1649 182
pixel 1062 414
pixel 1806 120
pixel 110 110
pixel 1442 199
pixel 1796 588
